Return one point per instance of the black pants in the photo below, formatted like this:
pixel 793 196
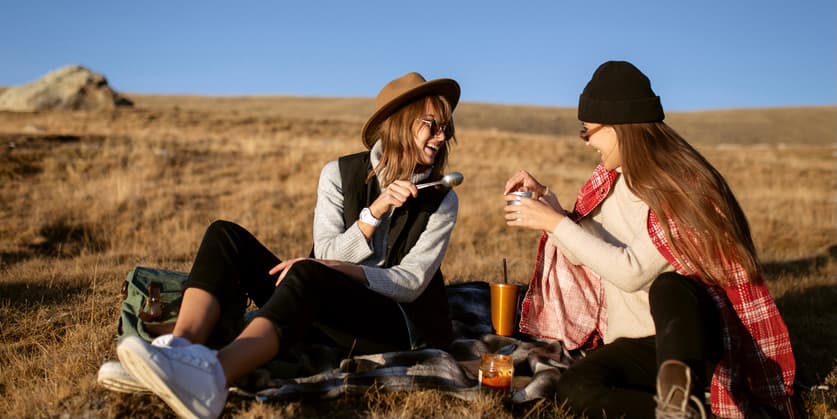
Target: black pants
pixel 619 379
pixel 232 265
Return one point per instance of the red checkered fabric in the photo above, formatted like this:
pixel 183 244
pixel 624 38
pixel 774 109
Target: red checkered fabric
pixel 566 302
pixel 758 358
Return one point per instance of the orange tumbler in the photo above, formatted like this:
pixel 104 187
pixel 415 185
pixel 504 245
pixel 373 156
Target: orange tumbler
pixel 503 307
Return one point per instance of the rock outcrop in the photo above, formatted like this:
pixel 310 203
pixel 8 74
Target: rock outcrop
pixel 71 88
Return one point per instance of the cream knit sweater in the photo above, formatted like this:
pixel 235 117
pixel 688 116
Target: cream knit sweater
pixel 613 241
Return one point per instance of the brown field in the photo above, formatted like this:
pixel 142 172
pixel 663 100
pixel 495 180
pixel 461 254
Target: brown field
pixel 85 197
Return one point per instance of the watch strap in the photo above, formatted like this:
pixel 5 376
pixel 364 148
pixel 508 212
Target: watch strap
pixel 367 217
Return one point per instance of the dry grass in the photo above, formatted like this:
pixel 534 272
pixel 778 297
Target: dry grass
pixel 86 197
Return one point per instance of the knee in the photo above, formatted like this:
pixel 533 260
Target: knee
pixel 227 233
pixel 302 273
pixel 671 286
pixel 306 267
pixel 677 298
pixel 220 227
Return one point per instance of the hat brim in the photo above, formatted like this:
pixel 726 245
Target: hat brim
pixel 447 88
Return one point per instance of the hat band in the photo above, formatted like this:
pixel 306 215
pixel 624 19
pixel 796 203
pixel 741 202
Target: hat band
pixel 630 111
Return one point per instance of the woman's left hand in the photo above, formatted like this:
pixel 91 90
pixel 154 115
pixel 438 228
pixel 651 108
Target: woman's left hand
pixel 284 267
pixel 530 213
pixel 352 270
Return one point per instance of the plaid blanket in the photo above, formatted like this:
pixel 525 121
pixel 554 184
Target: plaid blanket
pixel 319 371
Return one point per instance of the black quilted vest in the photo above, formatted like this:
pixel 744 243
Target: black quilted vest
pixel 429 314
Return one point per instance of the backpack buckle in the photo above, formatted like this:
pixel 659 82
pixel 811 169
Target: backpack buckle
pixel 152 310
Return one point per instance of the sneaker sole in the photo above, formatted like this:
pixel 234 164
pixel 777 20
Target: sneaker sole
pixel 113 376
pixel 149 374
pixel 122 386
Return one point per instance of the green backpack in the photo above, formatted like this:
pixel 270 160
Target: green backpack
pixel 151 301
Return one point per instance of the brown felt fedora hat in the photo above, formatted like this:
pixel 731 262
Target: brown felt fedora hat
pixel 401 91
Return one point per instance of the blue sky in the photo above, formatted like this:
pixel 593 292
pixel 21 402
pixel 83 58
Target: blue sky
pixel 709 54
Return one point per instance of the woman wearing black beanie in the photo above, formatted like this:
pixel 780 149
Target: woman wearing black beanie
pixel 655 269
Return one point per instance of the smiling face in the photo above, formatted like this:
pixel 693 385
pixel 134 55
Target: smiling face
pixel 415 138
pixel 603 138
pixel 430 135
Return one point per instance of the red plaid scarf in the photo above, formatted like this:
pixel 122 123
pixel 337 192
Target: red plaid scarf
pixel 758 360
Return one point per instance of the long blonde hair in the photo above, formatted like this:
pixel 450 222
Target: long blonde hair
pixel 397 134
pixel 712 233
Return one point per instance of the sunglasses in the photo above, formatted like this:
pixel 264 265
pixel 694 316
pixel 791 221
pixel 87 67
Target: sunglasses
pixel 585 133
pixel 435 127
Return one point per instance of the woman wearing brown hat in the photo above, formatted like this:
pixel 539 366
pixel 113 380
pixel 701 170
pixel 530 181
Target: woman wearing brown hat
pixel 373 283
pixel 654 267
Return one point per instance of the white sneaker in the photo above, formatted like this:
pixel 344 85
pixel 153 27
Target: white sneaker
pixel 674 398
pixel 113 376
pixel 189 379
pixel 170 341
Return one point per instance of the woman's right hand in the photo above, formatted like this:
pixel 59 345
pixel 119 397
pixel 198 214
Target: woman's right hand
pixel 393 196
pixel 524 181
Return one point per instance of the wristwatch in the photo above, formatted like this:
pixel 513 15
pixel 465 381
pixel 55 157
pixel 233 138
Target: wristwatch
pixel 367 217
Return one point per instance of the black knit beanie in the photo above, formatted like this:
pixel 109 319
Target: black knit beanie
pixel 619 93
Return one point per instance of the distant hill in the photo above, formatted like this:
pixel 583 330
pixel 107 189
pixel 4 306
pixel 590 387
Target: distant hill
pixel 793 125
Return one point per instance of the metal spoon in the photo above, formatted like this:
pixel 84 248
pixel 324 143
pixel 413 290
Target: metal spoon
pixel 450 180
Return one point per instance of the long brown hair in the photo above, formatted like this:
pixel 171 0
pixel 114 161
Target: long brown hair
pixel 397 134
pixel 711 234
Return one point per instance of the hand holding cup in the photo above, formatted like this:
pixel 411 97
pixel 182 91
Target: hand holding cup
pixel 526 205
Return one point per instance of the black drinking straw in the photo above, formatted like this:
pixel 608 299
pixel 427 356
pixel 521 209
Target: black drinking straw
pixel 505 272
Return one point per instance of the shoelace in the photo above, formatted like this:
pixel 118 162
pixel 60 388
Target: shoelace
pixel 666 410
